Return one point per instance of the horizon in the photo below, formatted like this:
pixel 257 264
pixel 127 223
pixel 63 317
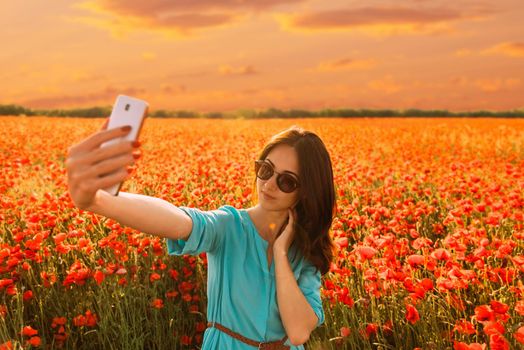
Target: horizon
pixel 268 113
pixel 221 56
pixel 259 110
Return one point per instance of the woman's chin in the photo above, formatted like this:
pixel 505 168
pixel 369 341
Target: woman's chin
pixel 272 206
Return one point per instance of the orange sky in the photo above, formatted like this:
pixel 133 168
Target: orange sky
pixel 224 55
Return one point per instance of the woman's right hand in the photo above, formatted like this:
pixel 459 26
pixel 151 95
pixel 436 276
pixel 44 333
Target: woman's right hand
pixel 90 167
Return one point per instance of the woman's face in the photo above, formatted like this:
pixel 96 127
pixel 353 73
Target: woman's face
pixel 284 159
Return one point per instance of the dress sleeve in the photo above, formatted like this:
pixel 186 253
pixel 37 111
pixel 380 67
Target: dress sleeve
pixel 309 283
pixel 207 233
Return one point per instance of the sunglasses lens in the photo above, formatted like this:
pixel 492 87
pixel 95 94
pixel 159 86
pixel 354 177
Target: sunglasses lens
pixel 265 171
pixel 286 183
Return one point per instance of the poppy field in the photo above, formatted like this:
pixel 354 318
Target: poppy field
pixel 429 234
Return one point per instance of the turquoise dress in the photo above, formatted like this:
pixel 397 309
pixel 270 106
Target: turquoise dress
pixel 241 288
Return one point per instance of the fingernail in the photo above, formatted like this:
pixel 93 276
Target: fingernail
pixel 136 144
pixel 136 155
pixel 129 170
pixel 126 128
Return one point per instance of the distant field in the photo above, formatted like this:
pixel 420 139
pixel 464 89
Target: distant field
pixel 430 234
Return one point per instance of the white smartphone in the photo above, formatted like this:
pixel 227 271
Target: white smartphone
pixel 126 111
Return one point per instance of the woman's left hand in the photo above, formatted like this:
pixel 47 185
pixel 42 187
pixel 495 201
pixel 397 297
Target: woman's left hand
pixel 283 242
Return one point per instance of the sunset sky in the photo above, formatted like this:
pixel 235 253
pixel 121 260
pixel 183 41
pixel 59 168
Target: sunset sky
pixel 225 55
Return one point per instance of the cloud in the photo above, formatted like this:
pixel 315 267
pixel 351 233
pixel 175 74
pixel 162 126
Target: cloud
pixel 242 70
pixel 484 84
pixel 379 20
pixel 183 25
pixel 496 85
pixel 463 53
pixel 172 18
pixel 203 73
pixel 105 97
pixel 459 81
pixel 346 64
pixel 163 7
pixel 170 89
pixel 386 85
pixel 512 49
pixel 148 56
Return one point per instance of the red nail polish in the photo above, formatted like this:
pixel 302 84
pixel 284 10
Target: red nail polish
pixel 136 144
pixel 126 128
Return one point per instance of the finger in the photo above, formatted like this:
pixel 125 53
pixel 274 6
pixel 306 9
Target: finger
pixel 291 216
pixel 104 126
pixel 111 151
pixel 112 179
pixel 109 166
pixel 88 159
pixel 95 140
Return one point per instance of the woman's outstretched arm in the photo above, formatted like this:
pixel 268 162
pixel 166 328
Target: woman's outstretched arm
pixel 147 214
pixel 91 168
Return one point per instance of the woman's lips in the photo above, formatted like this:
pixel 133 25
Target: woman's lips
pixel 267 196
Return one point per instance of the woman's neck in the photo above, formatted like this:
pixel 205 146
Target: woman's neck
pixel 268 222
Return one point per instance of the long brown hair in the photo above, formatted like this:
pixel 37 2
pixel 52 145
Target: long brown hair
pixel 317 203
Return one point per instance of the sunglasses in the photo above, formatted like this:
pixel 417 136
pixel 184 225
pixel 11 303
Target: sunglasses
pixel 286 182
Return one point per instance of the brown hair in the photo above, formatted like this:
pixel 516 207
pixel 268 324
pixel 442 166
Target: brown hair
pixel 317 204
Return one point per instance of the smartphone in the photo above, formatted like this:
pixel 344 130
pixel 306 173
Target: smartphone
pixel 126 111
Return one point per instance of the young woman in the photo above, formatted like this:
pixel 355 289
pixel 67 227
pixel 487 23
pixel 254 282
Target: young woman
pixel 264 262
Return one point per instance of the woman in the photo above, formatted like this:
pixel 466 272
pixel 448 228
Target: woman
pixel 264 262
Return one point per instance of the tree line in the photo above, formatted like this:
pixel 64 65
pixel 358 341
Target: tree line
pixel 99 112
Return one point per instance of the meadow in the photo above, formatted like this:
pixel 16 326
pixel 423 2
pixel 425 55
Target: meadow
pixel 429 234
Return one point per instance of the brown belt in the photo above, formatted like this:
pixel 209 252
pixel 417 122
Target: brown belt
pixel 274 345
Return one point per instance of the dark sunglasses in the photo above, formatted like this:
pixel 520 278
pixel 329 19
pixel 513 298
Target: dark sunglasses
pixel 287 183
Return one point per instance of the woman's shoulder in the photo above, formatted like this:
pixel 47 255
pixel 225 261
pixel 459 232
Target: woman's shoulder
pixel 225 214
pixel 222 210
pixel 230 211
pixel 231 214
pixel 228 208
pixel 239 215
pixel 240 218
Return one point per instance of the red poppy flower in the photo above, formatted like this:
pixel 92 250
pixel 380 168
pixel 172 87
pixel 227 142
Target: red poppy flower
pixel 464 327
pixel 484 313
pixel 371 329
pixel 154 277
pixel 200 327
pixel 185 340
pixel 412 314
pixel 98 276
pixel 28 294
pixel 8 345
pixel 498 342
pixel 493 327
pixel 157 303
pixel 366 252
pixel 416 259
pixel 58 321
pixel 519 307
pixel 441 254
pixel 34 341
pixel 345 331
pixel 29 331
pixel 519 335
pixel 463 346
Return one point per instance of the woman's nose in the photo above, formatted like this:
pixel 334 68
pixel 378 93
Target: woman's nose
pixel 271 183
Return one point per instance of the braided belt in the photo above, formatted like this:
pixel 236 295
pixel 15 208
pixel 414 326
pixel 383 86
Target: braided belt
pixel 274 345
